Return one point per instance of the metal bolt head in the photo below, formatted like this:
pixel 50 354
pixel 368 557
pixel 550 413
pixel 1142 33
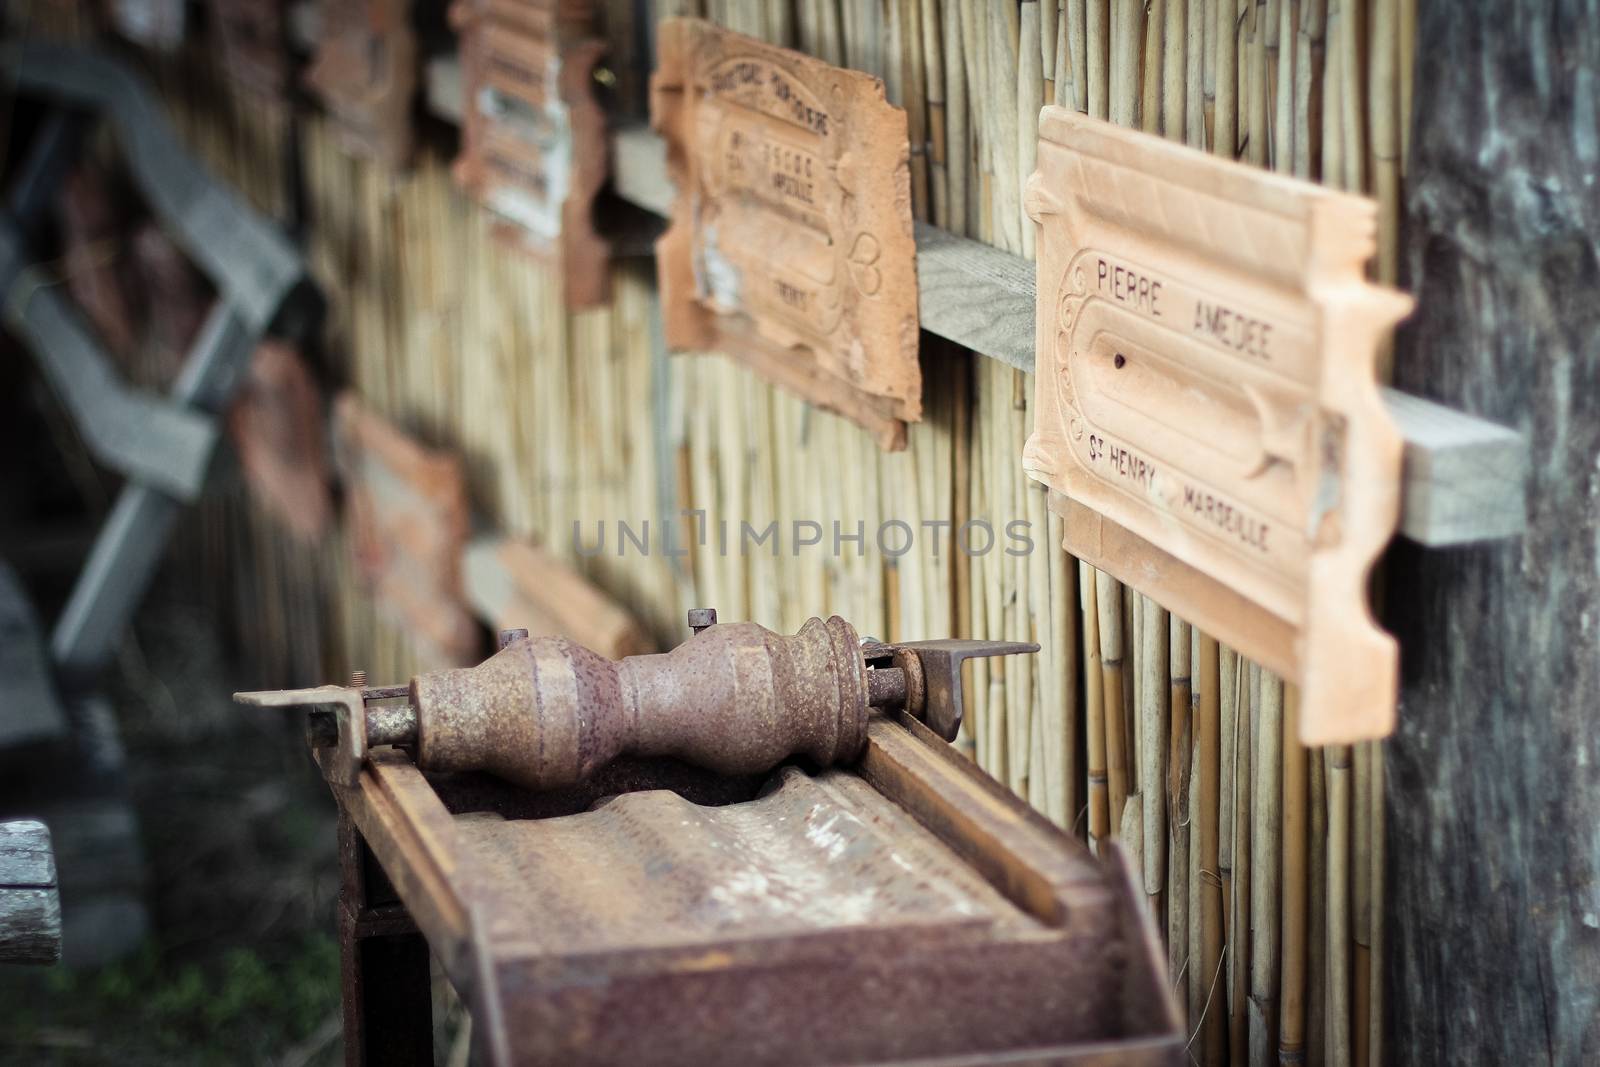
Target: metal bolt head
pixel 702 619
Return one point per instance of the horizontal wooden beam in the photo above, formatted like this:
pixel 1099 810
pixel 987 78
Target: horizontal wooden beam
pixel 1463 476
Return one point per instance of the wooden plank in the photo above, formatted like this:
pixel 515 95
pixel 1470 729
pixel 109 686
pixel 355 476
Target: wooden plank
pixel 976 295
pixel 30 905
pixel 1022 855
pixel 32 711
pixel 443 78
pixel 1491 943
pixel 1462 475
pixel 639 169
pixel 1465 478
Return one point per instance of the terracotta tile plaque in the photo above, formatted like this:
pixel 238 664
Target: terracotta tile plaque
pixel 408 522
pixel 533 136
pixel 92 232
pixel 1207 411
pixel 277 425
pixel 791 245
pixel 365 72
pixel 251 38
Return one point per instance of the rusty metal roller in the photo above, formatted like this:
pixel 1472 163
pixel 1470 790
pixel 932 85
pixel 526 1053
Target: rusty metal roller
pixel 736 698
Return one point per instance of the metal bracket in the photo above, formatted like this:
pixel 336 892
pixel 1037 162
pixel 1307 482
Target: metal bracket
pixel 941 660
pixel 343 765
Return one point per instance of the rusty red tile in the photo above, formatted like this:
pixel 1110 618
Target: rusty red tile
pixel 791 244
pixel 277 426
pixel 365 73
pixel 533 136
pixel 408 514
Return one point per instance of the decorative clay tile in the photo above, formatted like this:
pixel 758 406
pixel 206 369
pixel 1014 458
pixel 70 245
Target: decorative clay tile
pixel 408 518
pixel 365 72
pixel 277 425
pixel 1208 416
pixel 533 136
pixel 791 242
pixel 251 37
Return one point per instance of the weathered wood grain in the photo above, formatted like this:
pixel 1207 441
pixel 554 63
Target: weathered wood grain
pixel 1465 477
pixel 1493 918
pixel 32 711
pixel 976 295
pixel 639 169
pixel 30 906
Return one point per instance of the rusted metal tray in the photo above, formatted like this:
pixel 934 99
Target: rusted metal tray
pixel 904 910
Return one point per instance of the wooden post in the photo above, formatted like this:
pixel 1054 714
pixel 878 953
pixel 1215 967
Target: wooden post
pixel 388 993
pixel 30 906
pixel 1493 778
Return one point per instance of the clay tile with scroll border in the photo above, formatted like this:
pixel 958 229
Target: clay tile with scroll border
pixel 407 508
pixel 365 73
pixel 791 244
pixel 533 135
pixel 1208 418
pixel 277 424
pixel 252 41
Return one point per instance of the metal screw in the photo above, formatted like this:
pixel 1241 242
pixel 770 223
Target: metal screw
pixel 702 619
pixel 510 636
pixel 358 679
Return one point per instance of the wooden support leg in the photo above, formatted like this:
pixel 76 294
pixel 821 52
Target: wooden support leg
pixel 388 996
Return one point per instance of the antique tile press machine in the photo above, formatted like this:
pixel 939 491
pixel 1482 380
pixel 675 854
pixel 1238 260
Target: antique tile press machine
pixel 753 849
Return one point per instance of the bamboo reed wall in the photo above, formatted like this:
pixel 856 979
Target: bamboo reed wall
pixel 1261 860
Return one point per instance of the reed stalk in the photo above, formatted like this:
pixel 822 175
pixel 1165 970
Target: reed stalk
pixel 1195 100
pixel 1225 110
pixel 1333 170
pixel 1316 998
pixel 1360 898
pixel 1049 37
pixel 1281 61
pixel 1338 943
pixel 1291 1025
pixel 1154 741
pixel 1151 76
pixel 1094 709
pixel 1030 74
pixel 1239 933
pixel 1097 37
pixel 1308 67
pixel 1076 19
pixel 1208 688
pixel 1383 118
pixel 1180 741
pixel 1108 600
pixel 1265 891
pixel 1354 149
pixel 1374 1035
pixel 1174 70
pixel 1127 37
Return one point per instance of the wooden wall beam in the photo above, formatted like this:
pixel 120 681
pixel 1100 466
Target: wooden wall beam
pixel 1463 476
